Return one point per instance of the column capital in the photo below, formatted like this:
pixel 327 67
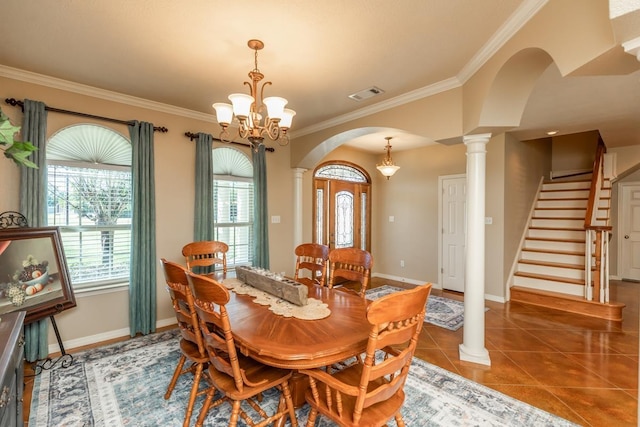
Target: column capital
pixel 480 137
pixel 298 172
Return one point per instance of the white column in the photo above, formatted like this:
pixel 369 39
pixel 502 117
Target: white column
pixel 297 205
pixel 472 348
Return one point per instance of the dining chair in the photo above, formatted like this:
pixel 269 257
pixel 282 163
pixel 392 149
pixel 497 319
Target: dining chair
pixel 191 342
pixel 237 377
pixel 205 254
pixel 350 264
pixel 372 392
pixel 312 258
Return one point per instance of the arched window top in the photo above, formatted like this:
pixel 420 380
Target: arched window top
pixel 89 143
pixel 341 171
pixel 230 162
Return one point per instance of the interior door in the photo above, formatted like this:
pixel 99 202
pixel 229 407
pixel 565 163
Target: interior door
pixel 453 238
pixel 630 232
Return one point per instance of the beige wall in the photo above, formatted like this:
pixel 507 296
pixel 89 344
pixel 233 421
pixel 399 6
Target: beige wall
pixel 573 152
pixel 526 163
pixel 100 315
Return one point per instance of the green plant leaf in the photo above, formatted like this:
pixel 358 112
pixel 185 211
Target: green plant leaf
pixel 7 131
pixel 18 151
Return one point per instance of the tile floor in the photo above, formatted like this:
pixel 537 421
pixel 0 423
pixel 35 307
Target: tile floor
pixel 579 368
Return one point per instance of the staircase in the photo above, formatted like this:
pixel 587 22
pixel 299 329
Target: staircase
pixel 551 271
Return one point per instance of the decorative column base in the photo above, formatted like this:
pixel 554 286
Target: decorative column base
pixel 474 356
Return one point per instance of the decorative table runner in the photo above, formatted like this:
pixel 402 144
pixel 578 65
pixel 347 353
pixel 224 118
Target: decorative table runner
pixel 313 310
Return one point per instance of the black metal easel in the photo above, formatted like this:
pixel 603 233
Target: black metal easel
pixel 12 219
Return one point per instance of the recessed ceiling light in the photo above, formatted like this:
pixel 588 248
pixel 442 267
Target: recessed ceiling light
pixel 552 132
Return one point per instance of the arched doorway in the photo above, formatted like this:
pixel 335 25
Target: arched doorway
pixel 342 206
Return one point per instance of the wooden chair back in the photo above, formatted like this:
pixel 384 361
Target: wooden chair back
pixel 311 257
pixel 371 392
pixel 204 254
pixel 236 376
pixel 211 298
pixel 191 344
pixel 183 302
pixel 351 264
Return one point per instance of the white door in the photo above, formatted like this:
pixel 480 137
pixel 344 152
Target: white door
pixel 629 214
pixel 453 217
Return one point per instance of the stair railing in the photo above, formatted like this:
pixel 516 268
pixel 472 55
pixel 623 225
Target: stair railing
pixel 597 236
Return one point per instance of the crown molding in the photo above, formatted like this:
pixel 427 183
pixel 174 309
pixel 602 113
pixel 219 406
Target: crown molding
pixel 508 29
pixel 55 83
pixel 405 98
pixel 511 26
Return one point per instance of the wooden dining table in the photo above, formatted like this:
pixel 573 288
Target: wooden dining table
pixel 291 343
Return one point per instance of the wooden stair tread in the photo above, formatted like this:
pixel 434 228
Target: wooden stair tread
pixel 563 208
pixel 557 228
pixel 551 264
pixel 558 217
pixel 554 251
pixel 549 239
pixel 564 181
pixel 551 278
pixel 562 199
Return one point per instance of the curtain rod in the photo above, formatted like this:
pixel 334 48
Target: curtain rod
pixel 193 136
pixel 14 102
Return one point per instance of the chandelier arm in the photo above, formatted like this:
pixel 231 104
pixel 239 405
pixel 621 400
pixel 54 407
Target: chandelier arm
pixel 243 129
pixel 262 91
pixel 272 130
pixel 283 139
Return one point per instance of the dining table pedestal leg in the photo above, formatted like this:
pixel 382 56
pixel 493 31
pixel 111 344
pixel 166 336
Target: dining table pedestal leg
pixel 298 384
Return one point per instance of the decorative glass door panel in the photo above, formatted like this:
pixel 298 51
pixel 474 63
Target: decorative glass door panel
pixel 342 207
pixel 343 231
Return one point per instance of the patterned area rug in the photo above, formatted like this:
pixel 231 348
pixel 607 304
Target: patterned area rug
pixel 443 312
pixel 124 384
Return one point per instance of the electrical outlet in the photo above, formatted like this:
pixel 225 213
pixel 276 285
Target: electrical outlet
pixel 402 263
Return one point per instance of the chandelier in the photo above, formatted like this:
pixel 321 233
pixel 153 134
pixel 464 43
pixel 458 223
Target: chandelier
pixel 387 167
pixel 255 116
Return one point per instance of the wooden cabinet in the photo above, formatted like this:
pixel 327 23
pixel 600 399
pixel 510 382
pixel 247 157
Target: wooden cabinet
pixel 11 369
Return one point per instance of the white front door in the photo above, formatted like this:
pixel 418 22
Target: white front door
pixel 453 217
pixel 629 214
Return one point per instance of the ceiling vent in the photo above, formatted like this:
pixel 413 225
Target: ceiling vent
pixel 366 93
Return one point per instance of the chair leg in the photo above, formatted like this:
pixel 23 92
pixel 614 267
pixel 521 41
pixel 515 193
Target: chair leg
pixel 311 421
pixel 205 406
pixel 233 421
pixel 289 400
pixel 174 379
pixel 194 393
pixel 399 420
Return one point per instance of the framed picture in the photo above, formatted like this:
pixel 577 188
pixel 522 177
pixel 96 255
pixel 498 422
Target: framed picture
pixel 33 273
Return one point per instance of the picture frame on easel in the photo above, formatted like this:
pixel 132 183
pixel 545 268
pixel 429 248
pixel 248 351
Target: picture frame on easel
pixel 33 273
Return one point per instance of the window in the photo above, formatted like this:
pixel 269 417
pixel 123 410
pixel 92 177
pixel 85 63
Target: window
pixel 89 198
pixel 233 204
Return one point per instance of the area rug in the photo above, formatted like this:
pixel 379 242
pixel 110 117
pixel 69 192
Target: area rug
pixel 443 312
pixel 124 384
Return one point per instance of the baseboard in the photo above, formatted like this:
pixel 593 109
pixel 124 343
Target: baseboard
pixel 405 280
pixel 105 336
pixel 495 298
